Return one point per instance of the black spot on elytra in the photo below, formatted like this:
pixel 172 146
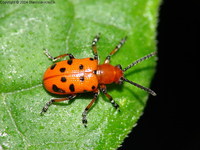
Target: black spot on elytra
pixel 53 66
pixel 62 69
pixel 92 59
pixel 71 88
pixel 82 78
pixel 56 89
pixel 81 66
pixel 70 62
pixel 63 79
pixel 93 87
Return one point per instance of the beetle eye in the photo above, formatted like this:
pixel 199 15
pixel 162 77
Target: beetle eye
pixel 119 66
pixel 121 80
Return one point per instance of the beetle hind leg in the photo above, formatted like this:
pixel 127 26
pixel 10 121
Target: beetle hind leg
pixel 46 52
pixel 49 103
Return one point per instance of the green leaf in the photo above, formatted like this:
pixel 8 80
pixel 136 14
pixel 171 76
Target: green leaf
pixel 69 27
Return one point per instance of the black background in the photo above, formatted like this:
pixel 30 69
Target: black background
pixel 171 119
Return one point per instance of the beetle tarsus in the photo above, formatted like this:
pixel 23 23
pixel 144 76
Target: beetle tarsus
pixel 84 120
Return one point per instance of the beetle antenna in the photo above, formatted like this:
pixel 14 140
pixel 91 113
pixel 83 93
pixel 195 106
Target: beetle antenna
pixel 139 60
pixel 140 86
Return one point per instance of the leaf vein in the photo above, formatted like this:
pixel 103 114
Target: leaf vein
pixel 22 90
pixel 13 121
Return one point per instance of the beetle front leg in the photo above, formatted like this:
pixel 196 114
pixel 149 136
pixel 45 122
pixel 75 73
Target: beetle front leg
pixel 84 114
pixel 107 60
pixel 104 90
pixel 46 52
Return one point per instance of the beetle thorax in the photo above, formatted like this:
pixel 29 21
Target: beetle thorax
pixel 108 74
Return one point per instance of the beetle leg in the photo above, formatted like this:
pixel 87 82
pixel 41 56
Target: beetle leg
pixel 94 48
pixel 104 90
pixel 45 108
pixel 84 114
pixel 46 52
pixel 107 60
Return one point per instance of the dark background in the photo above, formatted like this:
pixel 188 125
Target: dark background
pixel 171 119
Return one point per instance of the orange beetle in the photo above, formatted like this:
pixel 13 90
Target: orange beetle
pixel 73 76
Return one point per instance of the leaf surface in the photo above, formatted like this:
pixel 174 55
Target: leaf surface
pixel 69 27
